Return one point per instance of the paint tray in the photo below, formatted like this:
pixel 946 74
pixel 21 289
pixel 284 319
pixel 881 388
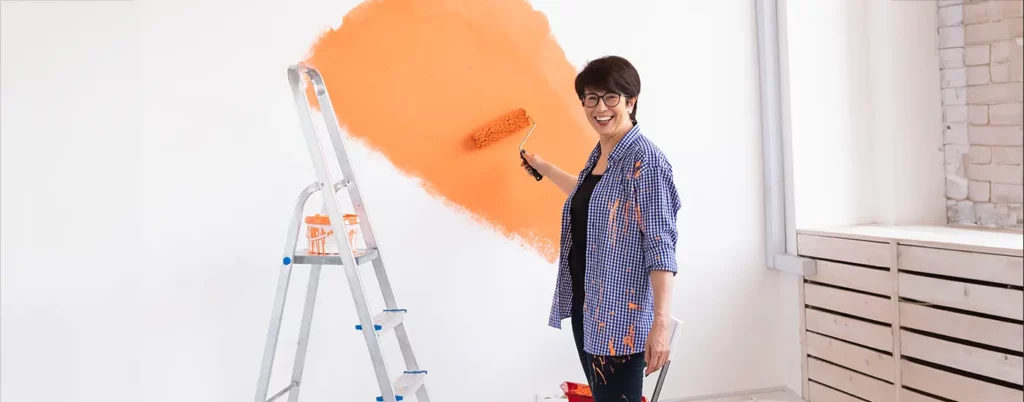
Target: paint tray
pixel 581 392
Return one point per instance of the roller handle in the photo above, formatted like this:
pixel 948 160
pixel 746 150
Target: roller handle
pixel 533 172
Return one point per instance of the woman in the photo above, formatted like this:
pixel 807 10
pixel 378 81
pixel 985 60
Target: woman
pixel 618 239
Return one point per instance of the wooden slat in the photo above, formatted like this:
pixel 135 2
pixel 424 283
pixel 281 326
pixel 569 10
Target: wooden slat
pixel 1000 302
pixel 821 393
pixel 851 356
pixel 961 264
pixel 986 331
pixel 974 239
pixel 853 277
pixel 803 340
pixel 1000 366
pixel 846 250
pixel 954 386
pixel 851 382
pixel 860 332
pixel 856 304
pixel 907 395
pixel 894 279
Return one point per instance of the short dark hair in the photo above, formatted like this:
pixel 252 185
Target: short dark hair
pixel 610 74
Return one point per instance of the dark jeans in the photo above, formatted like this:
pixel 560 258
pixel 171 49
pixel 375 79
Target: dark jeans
pixel 611 379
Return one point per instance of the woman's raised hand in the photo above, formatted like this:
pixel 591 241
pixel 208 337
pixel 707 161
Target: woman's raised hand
pixel 536 161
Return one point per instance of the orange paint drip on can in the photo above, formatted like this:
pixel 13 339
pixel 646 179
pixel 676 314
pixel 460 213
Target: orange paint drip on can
pixel 320 234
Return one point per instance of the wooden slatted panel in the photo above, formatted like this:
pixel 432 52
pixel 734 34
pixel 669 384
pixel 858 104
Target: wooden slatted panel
pixel 851 356
pixel 850 381
pixel 955 386
pixel 845 250
pixel 907 395
pixel 962 264
pixel 869 280
pixel 821 393
pixel 857 304
pixel 849 329
pixel 1000 366
pixel 974 238
pixel 963 326
pixel 1000 302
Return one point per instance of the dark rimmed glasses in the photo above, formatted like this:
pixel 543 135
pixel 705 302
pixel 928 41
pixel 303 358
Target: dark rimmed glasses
pixel 610 99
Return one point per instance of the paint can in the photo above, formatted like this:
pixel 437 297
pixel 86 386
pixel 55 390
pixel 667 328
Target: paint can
pixel 577 392
pixel 352 230
pixel 320 235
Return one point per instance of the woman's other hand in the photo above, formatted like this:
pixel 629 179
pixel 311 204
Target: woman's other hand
pixel 657 348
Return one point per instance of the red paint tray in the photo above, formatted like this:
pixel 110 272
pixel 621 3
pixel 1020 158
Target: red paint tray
pixel 581 392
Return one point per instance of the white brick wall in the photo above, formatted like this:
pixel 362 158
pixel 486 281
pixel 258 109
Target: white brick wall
pixel 981 51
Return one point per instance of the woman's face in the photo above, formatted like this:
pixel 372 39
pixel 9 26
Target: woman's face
pixel 607 112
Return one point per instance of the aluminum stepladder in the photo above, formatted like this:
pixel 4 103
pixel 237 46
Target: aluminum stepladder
pixel 373 327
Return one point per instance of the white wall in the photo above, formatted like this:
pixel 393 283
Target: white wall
pixel 70 168
pixel 184 153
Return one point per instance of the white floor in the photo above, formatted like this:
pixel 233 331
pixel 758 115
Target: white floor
pixel 779 395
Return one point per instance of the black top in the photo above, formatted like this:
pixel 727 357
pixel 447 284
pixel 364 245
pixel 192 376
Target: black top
pixel 578 231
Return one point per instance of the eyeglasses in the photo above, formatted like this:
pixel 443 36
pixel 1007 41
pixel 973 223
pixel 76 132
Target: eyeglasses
pixel 610 100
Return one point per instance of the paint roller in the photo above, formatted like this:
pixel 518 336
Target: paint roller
pixel 503 126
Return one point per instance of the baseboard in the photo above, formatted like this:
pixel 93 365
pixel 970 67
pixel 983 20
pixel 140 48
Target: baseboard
pixel 772 394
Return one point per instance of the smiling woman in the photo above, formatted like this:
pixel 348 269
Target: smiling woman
pixel 618 240
pixel 413 79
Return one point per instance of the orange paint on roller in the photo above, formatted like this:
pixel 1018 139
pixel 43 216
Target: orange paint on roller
pixel 501 127
pixel 413 80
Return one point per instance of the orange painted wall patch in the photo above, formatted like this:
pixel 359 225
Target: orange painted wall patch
pixel 413 78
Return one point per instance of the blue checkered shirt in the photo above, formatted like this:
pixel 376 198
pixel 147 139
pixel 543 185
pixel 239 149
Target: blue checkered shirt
pixel 631 230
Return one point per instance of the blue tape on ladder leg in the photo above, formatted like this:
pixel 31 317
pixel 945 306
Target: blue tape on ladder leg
pixel 397 398
pixel 396 310
pixel 375 327
pixel 287 261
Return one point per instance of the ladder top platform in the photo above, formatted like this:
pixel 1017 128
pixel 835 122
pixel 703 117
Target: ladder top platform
pixel 303 257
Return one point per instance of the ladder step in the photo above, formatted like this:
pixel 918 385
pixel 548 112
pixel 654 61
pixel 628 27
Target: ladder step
pixel 386 320
pixel 407 384
pixel 303 257
pixel 283 391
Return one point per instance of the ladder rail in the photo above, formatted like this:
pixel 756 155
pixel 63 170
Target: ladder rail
pixel 281 295
pixel 334 132
pixel 369 237
pixel 307 322
pixel 315 147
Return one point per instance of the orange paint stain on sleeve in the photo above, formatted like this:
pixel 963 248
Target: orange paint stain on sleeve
pixel 611 346
pixel 412 79
pixel 632 306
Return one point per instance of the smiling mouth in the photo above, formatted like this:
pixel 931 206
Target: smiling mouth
pixel 602 118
